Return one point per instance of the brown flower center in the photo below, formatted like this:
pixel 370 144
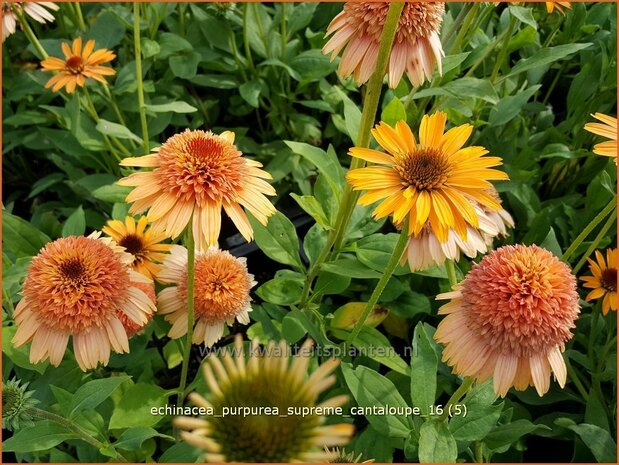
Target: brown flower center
pixel 609 279
pixel 132 244
pixel 425 169
pixel 75 64
pixel 73 270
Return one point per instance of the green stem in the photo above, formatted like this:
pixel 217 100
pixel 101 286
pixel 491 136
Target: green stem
pixel 283 29
pixel 370 107
pixel 31 36
pixel 250 61
pixel 594 245
pixel 93 112
pixel 138 75
pixel 479 452
pixel 456 24
pixel 80 17
pixel 451 272
pixel 112 101
pixel 190 311
pixel 590 227
pixel 571 373
pixel 595 316
pixel 83 435
pixel 181 18
pixel 382 283
pixel 465 29
pixel 467 383
pixel 503 53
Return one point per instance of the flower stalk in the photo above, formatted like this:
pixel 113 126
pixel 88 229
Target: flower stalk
pixel 191 271
pixel 30 35
pixel 466 385
pixel 138 75
pixel 594 245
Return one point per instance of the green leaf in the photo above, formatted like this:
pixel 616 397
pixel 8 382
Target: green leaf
pixel 281 291
pixel 424 363
pixel 373 390
pixel 20 356
pixel 523 14
pixel 134 408
pixel 436 443
pixel 312 207
pixel 293 328
pixel 551 243
pixel 185 66
pixel 352 115
pixel 352 268
pixel 375 252
pixel 312 65
pixel 394 112
pixel 20 237
pixel 472 87
pixel 181 453
pixel 116 130
pixel 326 162
pixel 112 193
pixel 75 225
pixel 481 416
pixel 250 91
pixel 509 107
pixel 546 56
pixel 278 239
pixel 91 394
pixel 598 440
pixel 376 346
pixel 133 438
pixel 173 107
pixel 42 436
pixel 507 434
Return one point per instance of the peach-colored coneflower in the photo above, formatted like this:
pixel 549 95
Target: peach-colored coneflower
pixel 608 129
pixel 198 173
pixel 416 48
pixel 550 6
pixel 79 64
pixel 510 318
pixel 221 293
pixel 425 250
pixel 273 377
pixel 436 180
pixel 131 327
pixel 36 10
pixel 604 280
pixel 74 287
pixel 141 242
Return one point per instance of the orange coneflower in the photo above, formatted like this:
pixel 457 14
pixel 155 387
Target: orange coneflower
pixel 131 327
pixel 550 6
pixel 75 287
pixel 510 318
pixel 269 376
pixel 36 10
pixel 425 250
pixel 609 130
pixel 416 48
pixel 198 173
pixel 435 180
pixel 221 293
pixel 141 242
pixel 79 64
pixel 604 280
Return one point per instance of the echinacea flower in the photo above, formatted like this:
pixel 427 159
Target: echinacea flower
pixel 436 180
pixel 79 64
pixel 510 319
pixel 221 293
pixel 550 6
pixel 425 250
pixel 196 174
pixel 75 287
pixel 608 129
pixel 341 456
pixel 604 280
pixel 141 242
pixel 131 327
pixel 416 47
pixel 16 403
pixel 36 10
pixel 270 378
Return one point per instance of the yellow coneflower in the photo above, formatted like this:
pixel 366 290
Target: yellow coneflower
pixel 435 180
pixel 510 319
pixel 604 280
pixel 609 130
pixel 79 64
pixel 550 6
pixel 75 287
pixel 198 173
pixel 416 48
pixel 271 378
pixel 221 293
pixel 141 242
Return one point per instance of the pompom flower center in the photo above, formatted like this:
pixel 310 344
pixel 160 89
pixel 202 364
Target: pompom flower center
pixel 609 279
pixel 521 300
pixel 201 165
pixel 222 287
pixel 76 283
pixel 75 64
pixel 425 169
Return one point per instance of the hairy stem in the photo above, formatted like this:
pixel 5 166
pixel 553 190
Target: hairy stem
pixel 138 74
pixel 190 243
